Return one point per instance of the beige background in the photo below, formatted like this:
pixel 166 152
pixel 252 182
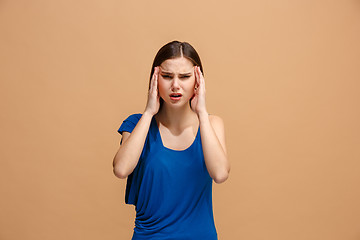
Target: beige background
pixel 284 76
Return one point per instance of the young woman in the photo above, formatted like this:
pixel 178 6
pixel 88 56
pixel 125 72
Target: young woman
pixel 173 151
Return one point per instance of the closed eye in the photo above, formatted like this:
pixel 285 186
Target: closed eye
pixel 169 77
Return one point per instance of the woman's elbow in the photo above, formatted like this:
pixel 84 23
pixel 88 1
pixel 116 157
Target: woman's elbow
pixel 120 173
pixel 220 178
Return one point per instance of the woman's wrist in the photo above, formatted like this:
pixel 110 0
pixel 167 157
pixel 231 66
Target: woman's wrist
pixel 203 114
pixel 147 113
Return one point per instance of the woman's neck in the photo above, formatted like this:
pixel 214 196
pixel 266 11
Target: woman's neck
pixel 176 118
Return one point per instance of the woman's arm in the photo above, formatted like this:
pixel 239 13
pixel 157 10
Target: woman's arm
pixel 213 144
pixel 132 145
pixel 130 150
pixel 212 133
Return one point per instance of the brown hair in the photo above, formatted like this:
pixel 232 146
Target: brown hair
pixel 175 49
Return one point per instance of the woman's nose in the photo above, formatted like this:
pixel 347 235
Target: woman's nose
pixel 175 83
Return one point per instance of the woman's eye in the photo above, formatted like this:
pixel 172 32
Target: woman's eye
pixel 169 77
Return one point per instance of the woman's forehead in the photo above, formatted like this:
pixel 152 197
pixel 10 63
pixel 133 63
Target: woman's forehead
pixel 177 65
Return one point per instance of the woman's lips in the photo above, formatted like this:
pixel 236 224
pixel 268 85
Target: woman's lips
pixel 175 96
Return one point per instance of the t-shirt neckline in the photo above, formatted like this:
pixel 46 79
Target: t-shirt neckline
pixel 170 149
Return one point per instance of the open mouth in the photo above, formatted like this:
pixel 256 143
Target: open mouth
pixel 175 96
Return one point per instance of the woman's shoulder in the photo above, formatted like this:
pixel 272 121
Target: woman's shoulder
pixel 134 116
pixel 129 123
pixel 216 122
pixel 131 120
pixel 215 118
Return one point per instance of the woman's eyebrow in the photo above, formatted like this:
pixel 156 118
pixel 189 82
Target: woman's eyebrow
pixel 185 73
pixel 172 73
pixel 165 72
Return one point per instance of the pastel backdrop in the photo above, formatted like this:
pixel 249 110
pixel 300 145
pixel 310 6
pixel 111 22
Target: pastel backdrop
pixel 283 75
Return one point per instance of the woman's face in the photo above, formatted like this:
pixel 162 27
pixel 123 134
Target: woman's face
pixel 176 76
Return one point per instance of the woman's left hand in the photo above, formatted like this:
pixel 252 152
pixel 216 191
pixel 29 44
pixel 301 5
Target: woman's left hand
pixel 198 101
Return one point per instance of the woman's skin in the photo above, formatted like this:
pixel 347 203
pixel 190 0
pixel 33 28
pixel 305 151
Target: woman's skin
pixel 177 122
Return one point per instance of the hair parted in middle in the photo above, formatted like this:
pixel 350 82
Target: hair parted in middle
pixel 175 49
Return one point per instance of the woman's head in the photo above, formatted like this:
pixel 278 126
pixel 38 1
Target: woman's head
pixel 176 51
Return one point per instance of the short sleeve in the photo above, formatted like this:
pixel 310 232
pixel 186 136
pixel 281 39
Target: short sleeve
pixel 129 123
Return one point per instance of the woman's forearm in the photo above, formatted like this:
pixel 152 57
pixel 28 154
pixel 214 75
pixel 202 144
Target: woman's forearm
pixel 129 152
pixel 215 155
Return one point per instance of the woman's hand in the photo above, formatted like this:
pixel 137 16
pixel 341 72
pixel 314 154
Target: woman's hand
pixel 198 101
pixel 153 101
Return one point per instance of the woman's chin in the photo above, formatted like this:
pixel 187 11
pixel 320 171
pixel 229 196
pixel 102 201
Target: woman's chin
pixel 176 103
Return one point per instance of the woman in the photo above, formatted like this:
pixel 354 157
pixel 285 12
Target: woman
pixel 171 153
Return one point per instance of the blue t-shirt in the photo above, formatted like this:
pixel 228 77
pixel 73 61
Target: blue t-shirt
pixel 171 190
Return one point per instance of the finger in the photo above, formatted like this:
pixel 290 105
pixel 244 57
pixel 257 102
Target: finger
pixel 199 77
pixel 151 84
pixel 156 72
pixel 196 77
pixel 153 81
pixel 202 80
pixel 195 74
pixel 156 82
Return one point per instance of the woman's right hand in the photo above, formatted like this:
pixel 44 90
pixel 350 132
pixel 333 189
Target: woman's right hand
pixel 153 101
